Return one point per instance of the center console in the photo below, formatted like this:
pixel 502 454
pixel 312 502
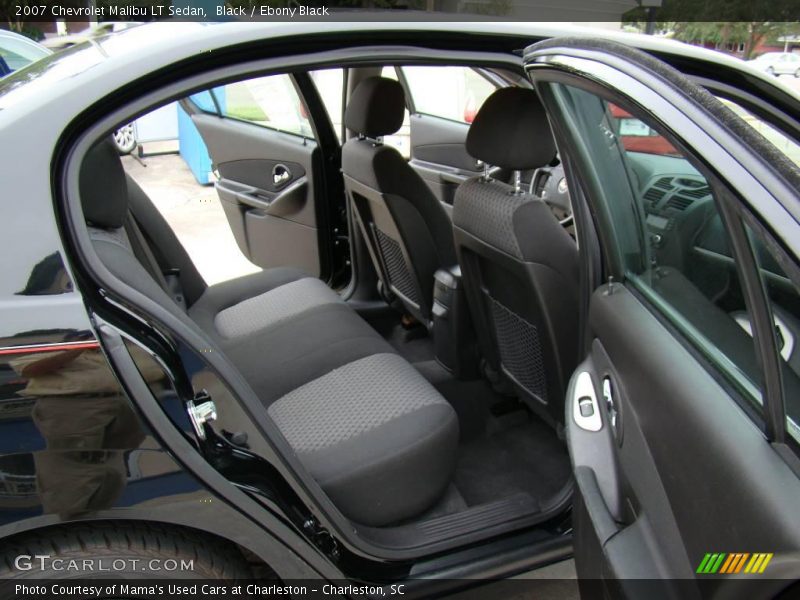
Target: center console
pixel 453 336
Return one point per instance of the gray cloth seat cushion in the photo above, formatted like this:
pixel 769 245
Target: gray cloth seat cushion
pixel 241 306
pixel 273 307
pixel 283 357
pixel 379 439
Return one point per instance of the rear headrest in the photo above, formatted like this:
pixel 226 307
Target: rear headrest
pixel 376 107
pixel 511 131
pixel 103 187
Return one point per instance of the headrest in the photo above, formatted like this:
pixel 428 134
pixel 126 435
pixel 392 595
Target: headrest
pixel 103 187
pixel 511 131
pixel 376 107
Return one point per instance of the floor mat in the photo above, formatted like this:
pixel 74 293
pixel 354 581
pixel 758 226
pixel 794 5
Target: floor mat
pixel 526 457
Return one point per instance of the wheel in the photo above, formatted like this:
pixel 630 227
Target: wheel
pixel 771 71
pixel 127 551
pixel 797 73
pixel 125 139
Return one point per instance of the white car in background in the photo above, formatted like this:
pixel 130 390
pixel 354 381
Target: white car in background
pixel 778 63
pixel 17 51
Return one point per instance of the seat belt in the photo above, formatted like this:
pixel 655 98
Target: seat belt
pixel 141 249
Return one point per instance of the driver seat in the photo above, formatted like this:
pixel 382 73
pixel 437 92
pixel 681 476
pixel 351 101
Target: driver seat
pixel 520 267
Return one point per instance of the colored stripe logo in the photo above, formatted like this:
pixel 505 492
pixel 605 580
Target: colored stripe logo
pixel 735 562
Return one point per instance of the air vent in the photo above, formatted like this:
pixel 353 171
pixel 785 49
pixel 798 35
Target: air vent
pixel 697 193
pixel 653 195
pixel 665 183
pixel 679 202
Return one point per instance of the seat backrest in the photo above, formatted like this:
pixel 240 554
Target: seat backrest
pixel 119 213
pixel 408 232
pixel 121 244
pixel 520 266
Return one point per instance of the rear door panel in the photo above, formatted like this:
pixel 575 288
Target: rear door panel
pixel 439 155
pixel 266 188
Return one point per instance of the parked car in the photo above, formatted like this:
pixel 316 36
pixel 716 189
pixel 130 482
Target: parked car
pixel 778 63
pixel 17 51
pixel 529 342
pixel 60 42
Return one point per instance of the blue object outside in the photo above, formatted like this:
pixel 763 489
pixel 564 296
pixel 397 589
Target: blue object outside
pixel 190 143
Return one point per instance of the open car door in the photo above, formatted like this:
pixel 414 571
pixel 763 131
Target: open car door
pixel 266 151
pixel 682 418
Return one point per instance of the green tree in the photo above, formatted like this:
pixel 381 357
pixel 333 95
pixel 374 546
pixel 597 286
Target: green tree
pixel 748 33
pixel 721 22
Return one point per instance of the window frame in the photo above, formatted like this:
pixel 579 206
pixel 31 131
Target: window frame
pixel 731 208
pixel 779 415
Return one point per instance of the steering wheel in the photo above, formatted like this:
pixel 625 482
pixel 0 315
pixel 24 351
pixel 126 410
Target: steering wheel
pixel 549 184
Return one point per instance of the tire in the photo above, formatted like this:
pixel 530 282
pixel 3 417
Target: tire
pixel 117 544
pixel 125 139
pixel 797 74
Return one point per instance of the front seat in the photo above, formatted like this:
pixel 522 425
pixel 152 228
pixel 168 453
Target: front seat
pixel 408 232
pixel 520 266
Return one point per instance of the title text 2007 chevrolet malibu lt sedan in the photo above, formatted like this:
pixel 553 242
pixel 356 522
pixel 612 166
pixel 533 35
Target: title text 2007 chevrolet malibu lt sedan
pixel 566 323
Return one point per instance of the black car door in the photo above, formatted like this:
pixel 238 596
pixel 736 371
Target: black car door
pixel 267 153
pixel 682 417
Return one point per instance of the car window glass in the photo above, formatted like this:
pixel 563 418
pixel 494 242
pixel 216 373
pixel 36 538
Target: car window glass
pixel 780 140
pixel 402 138
pixel 783 293
pixel 270 101
pixel 663 221
pixel 329 84
pixel 454 93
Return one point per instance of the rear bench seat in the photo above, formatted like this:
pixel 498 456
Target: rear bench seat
pixel 378 438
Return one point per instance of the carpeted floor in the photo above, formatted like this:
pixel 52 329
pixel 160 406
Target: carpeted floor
pixel 502 452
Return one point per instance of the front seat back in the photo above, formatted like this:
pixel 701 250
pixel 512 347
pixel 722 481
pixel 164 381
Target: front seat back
pixel 520 266
pixel 408 232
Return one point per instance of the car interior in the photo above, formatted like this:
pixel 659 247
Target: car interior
pixel 415 322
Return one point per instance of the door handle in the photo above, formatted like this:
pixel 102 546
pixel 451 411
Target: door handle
pixel 611 406
pixel 585 409
pixel 281 175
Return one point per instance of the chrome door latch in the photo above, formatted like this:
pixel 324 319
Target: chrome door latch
pixel 611 406
pixel 201 410
pixel 280 175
